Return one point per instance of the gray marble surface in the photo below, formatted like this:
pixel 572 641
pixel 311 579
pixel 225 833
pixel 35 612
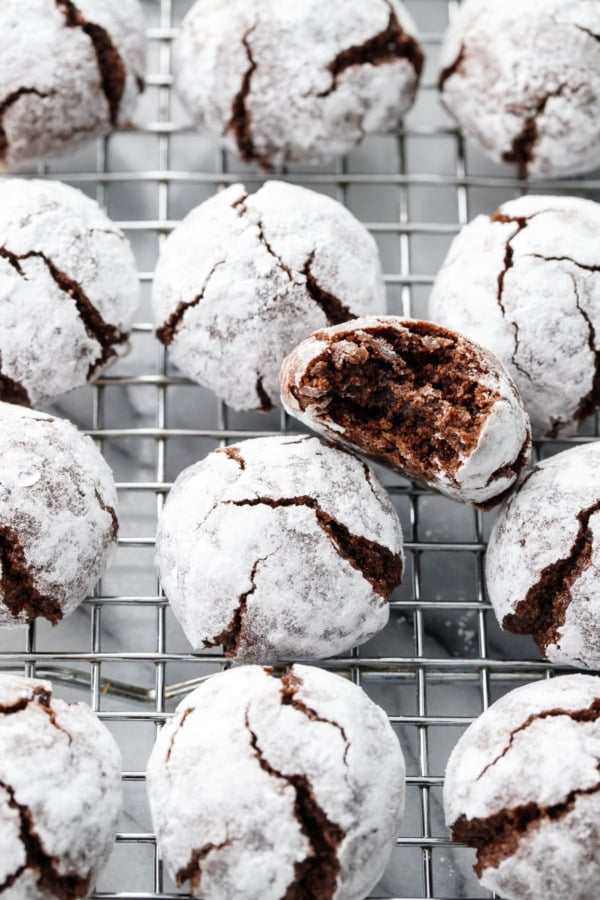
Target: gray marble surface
pixel 442 658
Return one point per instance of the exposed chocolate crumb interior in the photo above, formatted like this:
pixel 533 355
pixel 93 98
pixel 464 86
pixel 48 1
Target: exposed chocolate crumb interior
pixel 410 396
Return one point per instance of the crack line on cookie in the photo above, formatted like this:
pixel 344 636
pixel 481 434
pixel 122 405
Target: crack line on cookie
pixel 240 122
pixel 389 45
pixel 233 453
pixel 39 863
pixel 498 836
pixel 8 102
pixel 193 871
pixel 589 403
pixel 110 63
pixel 168 330
pixel 12 391
pixel 316 876
pixel 377 564
pixel 335 311
pixel 39 694
pixel 587 31
pixel 543 611
pixel 177 730
pixel 107 335
pixel 111 512
pixel 17 586
pixel 453 69
pixel 242 206
pixel 232 636
pixel 523 145
pixel 591 714
pixel 291 684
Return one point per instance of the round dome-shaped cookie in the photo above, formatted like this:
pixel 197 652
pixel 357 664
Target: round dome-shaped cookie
pixel 525 283
pixel 283 83
pixel 418 398
pixel 523 80
pixel 58 525
pixel 269 788
pixel 245 277
pixel 68 290
pixel 71 71
pixel 543 558
pixel 279 548
pixel 523 788
pixel 60 793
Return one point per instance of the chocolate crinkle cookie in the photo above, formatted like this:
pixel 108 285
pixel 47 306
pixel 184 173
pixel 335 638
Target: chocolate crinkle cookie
pixel 60 793
pixel 418 398
pixel 525 283
pixel 71 71
pixel 543 558
pixel 281 82
pixel 279 548
pixel 523 80
pixel 68 290
pixel 58 524
pixel 272 788
pixel 246 277
pixel 523 788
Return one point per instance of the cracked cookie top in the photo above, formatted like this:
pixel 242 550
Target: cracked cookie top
pixel 285 83
pixel 523 788
pixel 245 277
pixel 279 548
pixel 416 397
pixel 58 521
pixel 525 283
pixel 71 70
pixel 269 788
pixel 68 290
pixel 523 80
pixel 543 559
pixel 60 793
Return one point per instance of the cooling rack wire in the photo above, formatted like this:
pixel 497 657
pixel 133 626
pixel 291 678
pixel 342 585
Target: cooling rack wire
pixel 442 659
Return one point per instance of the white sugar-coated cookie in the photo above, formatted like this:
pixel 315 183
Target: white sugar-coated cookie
pixel 71 71
pixel 68 290
pixel 269 788
pixel 543 558
pixel 416 397
pixel 525 283
pixel 60 793
pixel 58 520
pixel 280 82
pixel 279 548
pixel 523 80
pixel 523 787
pixel 245 277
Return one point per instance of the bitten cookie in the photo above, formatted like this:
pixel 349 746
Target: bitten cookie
pixel 543 558
pixel 58 524
pixel 523 80
pixel 60 793
pixel 71 71
pixel 269 788
pixel 68 290
pixel 523 788
pixel 284 83
pixel 279 548
pixel 416 397
pixel 245 277
pixel 525 283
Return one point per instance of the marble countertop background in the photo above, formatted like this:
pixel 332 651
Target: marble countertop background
pixel 442 658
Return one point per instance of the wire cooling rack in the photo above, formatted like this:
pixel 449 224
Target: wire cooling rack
pixel 442 659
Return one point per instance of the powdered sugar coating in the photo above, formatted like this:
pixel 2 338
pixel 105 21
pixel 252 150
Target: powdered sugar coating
pixel 283 83
pixel 306 575
pixel 244 278
pixel 537 749
pixel 58 524
pixel 525 283
pixel 71 69
pixel 523 80
pixel 68 290
pixel 481 474
pixel 60 793
pixel 544 552
pixel 229 774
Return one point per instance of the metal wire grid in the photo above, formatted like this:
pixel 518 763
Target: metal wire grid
pixel 430 690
